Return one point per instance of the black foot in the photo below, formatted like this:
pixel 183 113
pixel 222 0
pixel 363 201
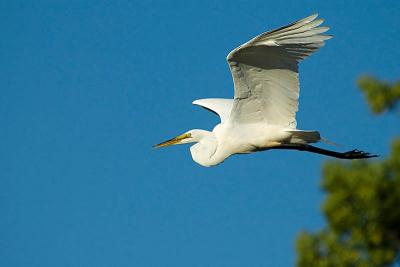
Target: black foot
pixel 357 154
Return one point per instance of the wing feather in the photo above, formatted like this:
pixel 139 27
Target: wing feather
pixel 220 106
pixel 265 72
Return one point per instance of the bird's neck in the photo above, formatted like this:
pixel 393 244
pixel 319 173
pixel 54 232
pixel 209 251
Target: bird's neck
pixel 203 152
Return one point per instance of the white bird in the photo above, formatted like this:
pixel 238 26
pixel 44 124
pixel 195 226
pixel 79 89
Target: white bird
pixel 262 115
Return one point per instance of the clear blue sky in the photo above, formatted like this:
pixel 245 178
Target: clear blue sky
pixel 87 88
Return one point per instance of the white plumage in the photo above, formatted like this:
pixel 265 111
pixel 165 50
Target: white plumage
pixel 265 72
pixel 262 114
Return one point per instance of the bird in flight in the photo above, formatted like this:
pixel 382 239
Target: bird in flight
pixel 262 115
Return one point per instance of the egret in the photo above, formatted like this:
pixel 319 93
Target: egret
pixel 266 90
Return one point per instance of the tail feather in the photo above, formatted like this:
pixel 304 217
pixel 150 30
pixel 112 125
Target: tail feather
pixel 329 142
pixel 304 137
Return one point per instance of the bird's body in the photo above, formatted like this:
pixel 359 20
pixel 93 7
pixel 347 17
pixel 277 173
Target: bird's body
pixel 228 139
pixel 266 90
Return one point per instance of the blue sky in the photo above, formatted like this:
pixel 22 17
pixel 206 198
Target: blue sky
pixel 88 87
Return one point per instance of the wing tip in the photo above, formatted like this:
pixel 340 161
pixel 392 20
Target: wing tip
pixel 200 102
pixel 309 18
pixel 326 36
pixel 315 15
pixel 196 102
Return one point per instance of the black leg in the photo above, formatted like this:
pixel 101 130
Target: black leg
pixel 352 154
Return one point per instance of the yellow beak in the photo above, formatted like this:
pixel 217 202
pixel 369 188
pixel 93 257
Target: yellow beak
pixel 173 141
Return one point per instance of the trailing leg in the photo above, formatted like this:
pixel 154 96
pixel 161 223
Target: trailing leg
pixel 352 154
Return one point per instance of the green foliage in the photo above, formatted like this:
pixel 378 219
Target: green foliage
pixel 381 96
pixel 362 206
pixel 363 212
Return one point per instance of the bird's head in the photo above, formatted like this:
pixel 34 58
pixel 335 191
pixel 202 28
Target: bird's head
pixel 188 137
pixel 204 149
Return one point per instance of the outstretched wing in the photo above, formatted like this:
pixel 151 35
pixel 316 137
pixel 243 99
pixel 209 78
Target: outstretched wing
pixel 265 72
pixel 220 106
